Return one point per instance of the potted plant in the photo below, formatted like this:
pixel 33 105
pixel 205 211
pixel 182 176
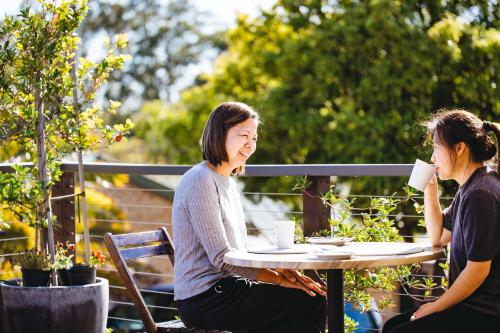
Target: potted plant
pixel 47 107
pixel 76 274
pixel 35 268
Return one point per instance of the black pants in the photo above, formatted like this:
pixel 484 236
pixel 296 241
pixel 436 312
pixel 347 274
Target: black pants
pixel 456 319
pixel 241 305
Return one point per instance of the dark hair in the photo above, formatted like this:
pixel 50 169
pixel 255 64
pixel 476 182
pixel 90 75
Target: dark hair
pixel 454 126
pixel 222 118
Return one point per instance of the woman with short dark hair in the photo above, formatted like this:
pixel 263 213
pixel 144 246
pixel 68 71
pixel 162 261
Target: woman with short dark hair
pixel 462 149
pixel 208 222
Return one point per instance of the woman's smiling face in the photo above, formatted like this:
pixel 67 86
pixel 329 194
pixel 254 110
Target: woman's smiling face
pixel 241 141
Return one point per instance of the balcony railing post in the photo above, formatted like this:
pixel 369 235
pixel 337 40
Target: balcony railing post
pixel 316 214
pixel 64 209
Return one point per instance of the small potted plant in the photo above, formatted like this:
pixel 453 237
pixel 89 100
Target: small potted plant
pixel 76 274
pixel 35 268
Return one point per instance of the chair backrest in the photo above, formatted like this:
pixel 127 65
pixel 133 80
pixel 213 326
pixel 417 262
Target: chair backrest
pixel 130 246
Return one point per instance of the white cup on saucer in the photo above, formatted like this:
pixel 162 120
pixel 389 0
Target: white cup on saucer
pixel 285 234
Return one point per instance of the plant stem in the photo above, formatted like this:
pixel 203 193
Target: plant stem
pixel 86 235
pixel 81 175
pixel 42 176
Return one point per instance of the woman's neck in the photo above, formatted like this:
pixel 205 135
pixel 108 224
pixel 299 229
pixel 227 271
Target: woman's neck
pixel 223 169
pixel 466 171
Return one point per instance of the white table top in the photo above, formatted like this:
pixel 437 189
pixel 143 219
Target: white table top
pixel 361 260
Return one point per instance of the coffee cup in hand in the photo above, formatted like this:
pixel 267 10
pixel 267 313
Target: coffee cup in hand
pixel 285 234
pixel 421 175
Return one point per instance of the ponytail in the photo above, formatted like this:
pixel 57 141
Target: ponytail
pixel 495 128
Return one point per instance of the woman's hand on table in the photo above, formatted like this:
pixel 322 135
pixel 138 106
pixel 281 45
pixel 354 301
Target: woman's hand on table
pixel 295 279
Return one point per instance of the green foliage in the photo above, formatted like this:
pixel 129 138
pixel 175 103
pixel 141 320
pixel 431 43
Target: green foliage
pixel 21 199
pixel 165 37
pixel 344 82
pixel 64 256
pixel 372 224
pixel 97 259
pixel 349 324
pixel 47 101
pixel 34 259
pixel 48 106
pixel 154 124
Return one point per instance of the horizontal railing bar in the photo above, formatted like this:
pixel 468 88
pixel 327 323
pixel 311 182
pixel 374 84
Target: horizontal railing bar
pixel 385 196
pixel 392 313
pixel 9 254
pixel 132 222
pixel 144 290
pixel 138 273
pixel 13 239
pixel 428 275
pixel 148 305
pixel 368 328
pixel 273 211
pixel 125 319
pixel 123 204
pixel 102 188
pixel 96 236
pixel 270 170
pixel 397 294
pixel 254 170
pixel 273 194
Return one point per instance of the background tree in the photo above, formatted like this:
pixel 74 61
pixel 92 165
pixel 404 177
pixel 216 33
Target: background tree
pixel 343 82
pixel 165 38
pixel 40 107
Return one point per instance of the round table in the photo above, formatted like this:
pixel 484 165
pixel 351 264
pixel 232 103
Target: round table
pixel 334 268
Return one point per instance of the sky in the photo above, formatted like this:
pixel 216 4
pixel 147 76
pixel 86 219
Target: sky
pixel 224 11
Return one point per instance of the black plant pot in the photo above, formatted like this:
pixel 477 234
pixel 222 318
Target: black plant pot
pixel 35 277
pixel 78 275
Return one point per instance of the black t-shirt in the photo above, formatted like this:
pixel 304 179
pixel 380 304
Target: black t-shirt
pixel 474 221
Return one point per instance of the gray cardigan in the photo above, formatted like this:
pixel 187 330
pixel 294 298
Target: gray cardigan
pixel 208 221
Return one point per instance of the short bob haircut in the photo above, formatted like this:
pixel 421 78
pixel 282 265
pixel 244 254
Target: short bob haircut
pixel 222 118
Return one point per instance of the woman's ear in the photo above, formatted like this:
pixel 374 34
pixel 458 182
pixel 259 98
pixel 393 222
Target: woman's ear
pixel 461 148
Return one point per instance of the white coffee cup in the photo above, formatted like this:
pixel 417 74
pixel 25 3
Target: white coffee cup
pixel 421 175
pixel 285 234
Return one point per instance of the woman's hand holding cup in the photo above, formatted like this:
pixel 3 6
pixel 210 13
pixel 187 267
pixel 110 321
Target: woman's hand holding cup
pixel 432 185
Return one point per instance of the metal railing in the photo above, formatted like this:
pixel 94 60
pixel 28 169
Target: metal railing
pixel 315 215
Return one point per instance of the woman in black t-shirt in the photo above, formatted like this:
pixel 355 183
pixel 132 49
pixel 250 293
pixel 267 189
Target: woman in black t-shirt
pixel 471 223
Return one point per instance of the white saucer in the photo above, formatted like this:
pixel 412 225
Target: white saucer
pixel 383 248
pixel 339 241
pixel 333 255
pixel 272 249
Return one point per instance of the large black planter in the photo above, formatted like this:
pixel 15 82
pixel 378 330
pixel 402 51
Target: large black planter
pixel 78 275
pixel 75 309
pixel 35 277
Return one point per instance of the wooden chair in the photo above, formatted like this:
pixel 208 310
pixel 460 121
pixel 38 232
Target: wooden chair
pixel 131 246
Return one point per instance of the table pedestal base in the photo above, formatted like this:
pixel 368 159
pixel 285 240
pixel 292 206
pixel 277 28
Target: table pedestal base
pixel 335 284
